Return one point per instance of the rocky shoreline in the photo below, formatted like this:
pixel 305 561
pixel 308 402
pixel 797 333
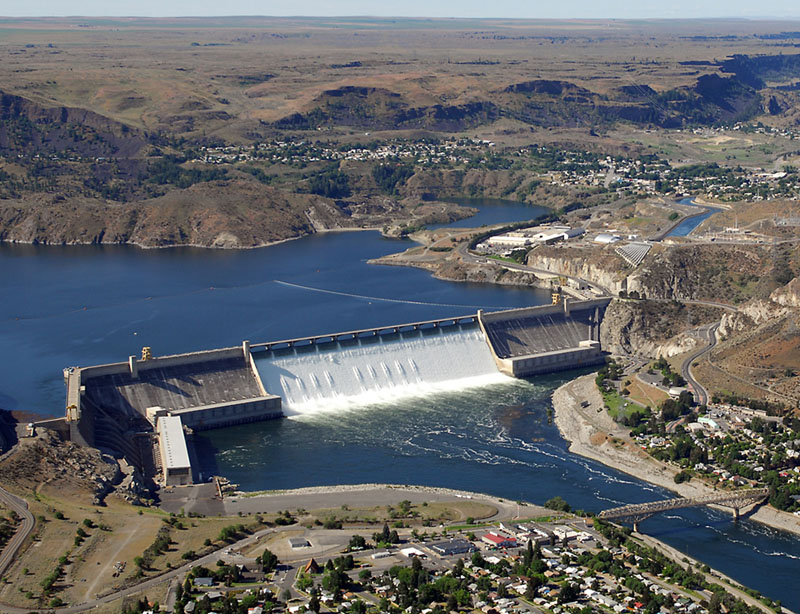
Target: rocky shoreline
pixel 593 434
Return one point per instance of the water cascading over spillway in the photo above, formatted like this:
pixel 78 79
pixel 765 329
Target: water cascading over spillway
pixel 377 369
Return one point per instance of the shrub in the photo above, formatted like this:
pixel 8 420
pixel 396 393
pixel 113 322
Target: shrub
pixel 558 504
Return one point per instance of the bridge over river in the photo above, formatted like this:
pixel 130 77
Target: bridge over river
pixel 638 512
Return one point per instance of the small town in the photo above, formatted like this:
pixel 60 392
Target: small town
pixel 729 443
pixel 643 176
pixel 558 564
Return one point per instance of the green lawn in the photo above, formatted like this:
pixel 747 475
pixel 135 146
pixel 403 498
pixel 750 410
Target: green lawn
pixel 615 403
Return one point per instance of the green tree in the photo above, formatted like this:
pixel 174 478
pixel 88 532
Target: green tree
pixel 268 560
pixel 331 184
pixel 357 542
pixel 558 504
pixel 569 592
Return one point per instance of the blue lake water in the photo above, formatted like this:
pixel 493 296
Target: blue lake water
pixel 86 305
pixel 66 306
pixel 495 211
pixel 688 225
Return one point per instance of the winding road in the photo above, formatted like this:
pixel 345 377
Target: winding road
pixel 700 393
pixel 20 507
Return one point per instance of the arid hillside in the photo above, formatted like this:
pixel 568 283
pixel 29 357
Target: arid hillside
pixel 241 131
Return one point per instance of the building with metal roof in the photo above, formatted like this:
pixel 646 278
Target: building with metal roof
pixel 175 464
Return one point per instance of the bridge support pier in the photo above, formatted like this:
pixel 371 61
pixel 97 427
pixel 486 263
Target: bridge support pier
pixel 735 514
pixel 636 526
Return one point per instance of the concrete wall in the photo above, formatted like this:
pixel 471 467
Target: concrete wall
pixel 530 312
pixel 589 353
pixel 228 414
pixel 82 424
pixel 366 332
pixel 551 362
pixel 87 373
pixel 58 425
pixel 251 361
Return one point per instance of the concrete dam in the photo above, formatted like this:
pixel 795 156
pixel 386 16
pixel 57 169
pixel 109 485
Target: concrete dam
pixel 118 407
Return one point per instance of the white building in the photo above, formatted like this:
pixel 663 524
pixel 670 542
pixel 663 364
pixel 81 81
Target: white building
pixel 605 238
pixel 175 465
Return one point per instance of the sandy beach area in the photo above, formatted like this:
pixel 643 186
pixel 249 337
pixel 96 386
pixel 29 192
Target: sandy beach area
pixel 593 434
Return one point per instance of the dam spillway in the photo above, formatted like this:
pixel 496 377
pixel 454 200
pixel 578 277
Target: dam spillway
pixel 377 368
pixel 109 406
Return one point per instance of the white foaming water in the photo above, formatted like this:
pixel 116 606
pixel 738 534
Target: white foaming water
pixel 377 370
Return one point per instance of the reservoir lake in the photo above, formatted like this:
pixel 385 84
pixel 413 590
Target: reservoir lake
pixel 85 305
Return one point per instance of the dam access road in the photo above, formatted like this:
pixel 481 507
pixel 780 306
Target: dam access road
pixel 20 507
pixel 699 392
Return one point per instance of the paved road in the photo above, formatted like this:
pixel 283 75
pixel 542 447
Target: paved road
pixel 21 508
pixel 689 301
pixel 700 393
pixel 467 256
pixel 209 559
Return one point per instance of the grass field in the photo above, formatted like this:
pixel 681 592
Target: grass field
pixel 619 406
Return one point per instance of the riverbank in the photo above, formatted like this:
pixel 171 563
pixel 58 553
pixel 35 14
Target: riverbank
pixel 200 499
pixel 593 434
pixel 224 243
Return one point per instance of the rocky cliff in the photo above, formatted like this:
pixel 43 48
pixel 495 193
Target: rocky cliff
pixel 788 295
pixel 46 460
pixel 652 328
pixel 601 266
pixel 727 273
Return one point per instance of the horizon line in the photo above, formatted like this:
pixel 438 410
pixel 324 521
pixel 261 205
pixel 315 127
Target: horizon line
pixel 415 17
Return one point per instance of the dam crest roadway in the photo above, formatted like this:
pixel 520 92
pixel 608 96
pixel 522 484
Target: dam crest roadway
pixel 366 332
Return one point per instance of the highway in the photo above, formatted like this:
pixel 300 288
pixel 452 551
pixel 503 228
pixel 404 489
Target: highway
pixel 700 393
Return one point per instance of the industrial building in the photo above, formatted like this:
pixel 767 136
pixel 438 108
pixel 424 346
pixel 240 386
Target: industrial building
pixel 498 540
pixel 526 237
pixel 605 238
pixel 453 547
pixel 175 466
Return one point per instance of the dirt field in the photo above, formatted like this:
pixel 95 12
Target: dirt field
pixel 645 394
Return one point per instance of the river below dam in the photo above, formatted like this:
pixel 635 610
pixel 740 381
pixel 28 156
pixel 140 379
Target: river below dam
pixel 89 305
